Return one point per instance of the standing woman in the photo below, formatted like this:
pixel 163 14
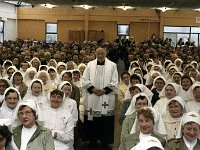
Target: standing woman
pixel 18 83
pixel 187 137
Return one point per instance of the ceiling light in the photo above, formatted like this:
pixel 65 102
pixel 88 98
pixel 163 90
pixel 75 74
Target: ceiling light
pixel 48 5
pixel 163 9
pixel 197 9
pixel 124 7
pixel 86 6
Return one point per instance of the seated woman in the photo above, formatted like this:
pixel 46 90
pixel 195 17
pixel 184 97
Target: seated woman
pixel 144 126
pixel 18 83
pixel 188 133
pixel 172 121
pixel 137 88
pixel 11 100
pixel 60 121
pixel 138 101
pixel 169 91
pixel 192 99
pixel 36 93
pixel 158 84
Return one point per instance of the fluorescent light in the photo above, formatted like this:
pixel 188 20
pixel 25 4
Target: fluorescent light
pixel 48 5
pixel 125 7
pixel 163 9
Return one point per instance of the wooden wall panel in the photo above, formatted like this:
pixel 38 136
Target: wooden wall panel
pixel 109 28
pixel 64 26
pixel 143 30
pixel 31 29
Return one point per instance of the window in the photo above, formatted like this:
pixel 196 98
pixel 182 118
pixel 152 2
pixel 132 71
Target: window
pixel 1 31
pixel 175 33
pixel 51 32
pixel 123 29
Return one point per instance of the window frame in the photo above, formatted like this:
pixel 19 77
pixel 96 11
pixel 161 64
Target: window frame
pixel 2 32
pixel 46 32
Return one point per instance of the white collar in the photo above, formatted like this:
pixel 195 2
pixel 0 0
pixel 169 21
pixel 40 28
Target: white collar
pixel 190 144
pixel 142 135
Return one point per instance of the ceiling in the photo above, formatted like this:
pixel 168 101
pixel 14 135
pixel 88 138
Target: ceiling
pixel 181 4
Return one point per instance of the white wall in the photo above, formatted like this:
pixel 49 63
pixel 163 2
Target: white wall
pixel 8 13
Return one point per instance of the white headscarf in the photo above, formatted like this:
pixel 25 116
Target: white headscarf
pixel 143 89
pixel 148 142
pixel 26 75
pixel 131 109
pixel 54 62
pixel 188 117
pixel 11 79
pixel 159 125
pixel 158 77
pixel 177 88
pixel 189 93
pixel 32 104
pixel 29 91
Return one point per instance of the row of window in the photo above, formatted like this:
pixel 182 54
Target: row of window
pixel 171 32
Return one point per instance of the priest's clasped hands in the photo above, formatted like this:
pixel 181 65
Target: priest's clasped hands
pixel 98 92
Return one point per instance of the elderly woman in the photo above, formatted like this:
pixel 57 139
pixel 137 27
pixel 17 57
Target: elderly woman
pixel 176 107
pixel 147 120
pixel 29 75
pixel 187 137
pixel 44 76
pixel 36 93
pixel 168 92
pixel 30 134
pixel 18 83
pixel 60 121
pixel 138 101
pixel 11 100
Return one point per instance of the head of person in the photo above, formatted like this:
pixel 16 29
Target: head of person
pixel 177 77
pixel 100 54
pixel 10 72
pixel 159 82
pixel 17 78
pixel 76 75
pixel 196 92
pixel 31 72
pixel 190 126
pixel 70 65
pixel 36 87
pixel 81 68
pixel 66 76
pixel 43 75
pixel 4 84
pixel 56 98
pixel 125 77
pixel 145 120
pixel 193 73
pixel 52 62
pixel 27 113
pixel 43 67
pixel 176 107
pixel 141 101
pixel 135 79
pixel 35 62
pixel 5 136
pixel 170 91
pixel 134 90
pixel 60 68
pixel 52 73
pixel 25 66
pixel 66 87
pixel 186 82
pixel 12 97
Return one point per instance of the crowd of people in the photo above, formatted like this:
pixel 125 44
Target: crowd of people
pixel 54 94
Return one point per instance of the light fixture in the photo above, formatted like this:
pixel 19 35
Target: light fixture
pixel 48 5
pixel 163 9
pixel 125 7
pixel 197 9
pixel 86 6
